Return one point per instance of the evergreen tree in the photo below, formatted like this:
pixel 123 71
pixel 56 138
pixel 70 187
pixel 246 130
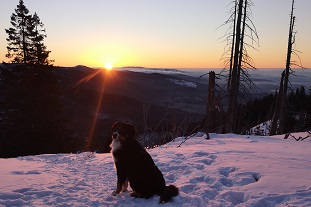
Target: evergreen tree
pixel 26 38
pixel 39 52
pixel 18 42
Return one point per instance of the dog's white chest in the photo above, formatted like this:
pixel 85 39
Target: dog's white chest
pixel 115 145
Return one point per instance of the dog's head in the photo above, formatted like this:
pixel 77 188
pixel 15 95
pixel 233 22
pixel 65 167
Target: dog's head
pixel 122 131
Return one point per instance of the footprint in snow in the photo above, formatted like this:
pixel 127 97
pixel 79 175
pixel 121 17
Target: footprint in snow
pixel 234 198
pixel 187 188
pixel 205 154
pixel 246 178
pixel 22 190
pixel 197 179
pixel 199 167
pixel 226 182
pixel 226 171
pixel 207 161
pixel 201 154
pixel 32 172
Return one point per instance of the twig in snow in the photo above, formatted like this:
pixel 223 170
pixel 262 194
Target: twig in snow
pixel 299 138
pixel 186 138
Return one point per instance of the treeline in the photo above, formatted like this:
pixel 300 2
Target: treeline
pixel 297 118
pixel 43 110
pixel 42 114
pixel 32 118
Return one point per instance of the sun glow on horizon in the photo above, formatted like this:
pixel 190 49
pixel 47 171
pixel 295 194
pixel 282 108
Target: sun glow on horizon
pixel 108 66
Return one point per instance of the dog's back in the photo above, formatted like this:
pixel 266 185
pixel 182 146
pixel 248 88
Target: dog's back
pixel 143 175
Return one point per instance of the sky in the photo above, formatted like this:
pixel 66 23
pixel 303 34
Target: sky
pixel 159 33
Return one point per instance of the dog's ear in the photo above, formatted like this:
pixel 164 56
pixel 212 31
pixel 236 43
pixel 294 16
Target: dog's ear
pixel 115 126
pixel 130 130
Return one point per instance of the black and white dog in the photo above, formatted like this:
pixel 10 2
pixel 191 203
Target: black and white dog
pixel 135 165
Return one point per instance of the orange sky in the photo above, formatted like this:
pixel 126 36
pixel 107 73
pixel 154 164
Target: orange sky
pixel 164 34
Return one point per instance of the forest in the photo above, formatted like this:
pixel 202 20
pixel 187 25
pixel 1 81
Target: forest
pixel 44 110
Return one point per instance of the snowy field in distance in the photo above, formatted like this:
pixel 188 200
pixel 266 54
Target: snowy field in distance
pixel 267 79
pixel 227 170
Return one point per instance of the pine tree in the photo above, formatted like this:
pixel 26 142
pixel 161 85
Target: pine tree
pixel 26 38
pixel 18 43
pixel 39 52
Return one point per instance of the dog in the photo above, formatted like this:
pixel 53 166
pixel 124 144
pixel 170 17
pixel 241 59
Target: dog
pixel 135 165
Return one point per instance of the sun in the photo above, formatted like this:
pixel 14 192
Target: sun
pixel 108 66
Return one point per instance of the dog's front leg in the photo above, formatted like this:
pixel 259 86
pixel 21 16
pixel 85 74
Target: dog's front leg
pixel 125 185
pixel 122 180
pixel 118 190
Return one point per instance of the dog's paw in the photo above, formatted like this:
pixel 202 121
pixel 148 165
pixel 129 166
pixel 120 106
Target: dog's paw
pixel 114 193
pixel 124 186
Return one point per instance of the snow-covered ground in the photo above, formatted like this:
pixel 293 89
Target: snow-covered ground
pixel 226 170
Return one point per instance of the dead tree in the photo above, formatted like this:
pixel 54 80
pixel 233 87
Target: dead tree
pixel 232 46
pixel 277 111
pixel 239 61
pixel 213 122
pixel 280 111
pixel 206 122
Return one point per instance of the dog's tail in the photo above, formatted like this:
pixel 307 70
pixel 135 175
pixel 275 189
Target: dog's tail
pixel 168 192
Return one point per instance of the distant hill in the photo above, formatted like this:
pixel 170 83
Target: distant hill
pixel 70 109
pixel 79 104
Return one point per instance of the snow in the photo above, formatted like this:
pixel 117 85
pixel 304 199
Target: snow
pixel 225 170
pixel 261 129
pixel 184 83
pixel 152 70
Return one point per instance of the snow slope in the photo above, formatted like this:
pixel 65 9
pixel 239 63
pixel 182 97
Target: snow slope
pixel 227 170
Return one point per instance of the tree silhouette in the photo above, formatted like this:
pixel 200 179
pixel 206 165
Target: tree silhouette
pixel 238 61
pixel 280 112
pixel 213 119
pixel 18 43
pixel 39 52
pixel 38 123
pixel 26 37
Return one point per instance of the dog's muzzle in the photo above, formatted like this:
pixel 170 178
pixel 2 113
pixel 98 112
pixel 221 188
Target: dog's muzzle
pixel 115 135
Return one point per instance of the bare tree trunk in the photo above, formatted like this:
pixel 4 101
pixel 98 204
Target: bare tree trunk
pixel 280 111
pixel 211 99
pixel 240 63
pixel 287 69
pixel 213 120
pixel 239 60
pixel 24 41
pixel 277 110
pixel 232 47
pixel 211 86
pixel 234 87
pixel 242 43
pixel 209 119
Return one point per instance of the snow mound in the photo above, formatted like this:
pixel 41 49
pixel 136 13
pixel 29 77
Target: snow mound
pixel 225 170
